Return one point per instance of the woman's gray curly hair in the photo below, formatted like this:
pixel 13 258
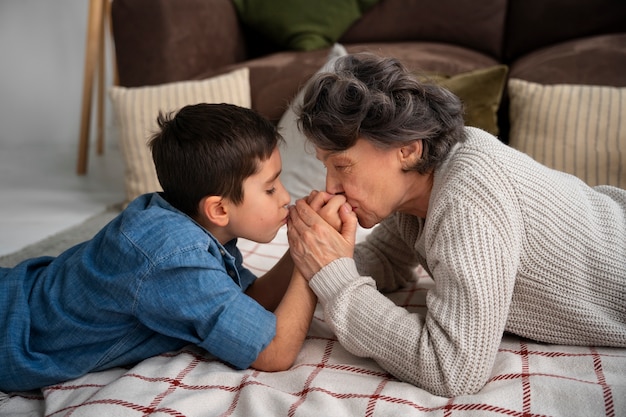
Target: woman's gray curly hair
pixel 380 100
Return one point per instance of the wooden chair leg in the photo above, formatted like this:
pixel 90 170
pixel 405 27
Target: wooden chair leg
pixel 106 29
pixel 109 25
pixel 112 44
pixel 101 74
pixel 91 58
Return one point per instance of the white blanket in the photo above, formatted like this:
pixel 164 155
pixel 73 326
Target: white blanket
pixel 528 379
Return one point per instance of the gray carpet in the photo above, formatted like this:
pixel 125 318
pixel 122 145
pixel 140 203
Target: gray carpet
pixel 57 243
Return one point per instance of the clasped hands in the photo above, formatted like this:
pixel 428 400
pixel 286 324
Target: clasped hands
pixel 321 228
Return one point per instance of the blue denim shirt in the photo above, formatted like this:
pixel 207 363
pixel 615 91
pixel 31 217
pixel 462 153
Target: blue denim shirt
pixel 149 282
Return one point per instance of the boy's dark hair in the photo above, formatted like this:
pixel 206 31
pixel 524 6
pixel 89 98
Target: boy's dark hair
pixel 209 149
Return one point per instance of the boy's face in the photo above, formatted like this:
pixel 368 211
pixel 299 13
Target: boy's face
pixel 264 207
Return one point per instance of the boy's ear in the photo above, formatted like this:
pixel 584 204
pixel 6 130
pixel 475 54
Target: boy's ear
pixel 215 209
pixel 411 153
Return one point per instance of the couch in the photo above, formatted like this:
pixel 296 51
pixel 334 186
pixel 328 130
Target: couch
pixel 555 47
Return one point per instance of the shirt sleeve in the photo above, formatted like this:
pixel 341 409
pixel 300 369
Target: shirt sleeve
pixel 204 306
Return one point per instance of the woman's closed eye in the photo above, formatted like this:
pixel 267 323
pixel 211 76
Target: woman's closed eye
pixel 342 167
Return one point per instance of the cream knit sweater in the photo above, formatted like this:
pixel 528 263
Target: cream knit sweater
pixel 511 245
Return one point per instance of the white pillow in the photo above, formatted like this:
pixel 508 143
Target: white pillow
pixel 136 110
pixel 302 172
pixel 578 129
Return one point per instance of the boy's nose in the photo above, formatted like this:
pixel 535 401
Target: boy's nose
pixel 285 196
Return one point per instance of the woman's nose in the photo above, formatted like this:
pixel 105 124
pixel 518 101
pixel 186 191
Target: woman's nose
pixel 332 186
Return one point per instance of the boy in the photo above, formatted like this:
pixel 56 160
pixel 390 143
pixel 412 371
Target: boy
pixel 166 272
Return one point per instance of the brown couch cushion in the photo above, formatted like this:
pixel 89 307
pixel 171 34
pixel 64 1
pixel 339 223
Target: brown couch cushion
pixel 276 78
pixel 156 42
pixel 477 25
pixel 532 24
pixel 598 60
pixel 429 56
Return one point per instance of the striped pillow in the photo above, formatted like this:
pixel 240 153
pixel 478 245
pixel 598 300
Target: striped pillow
pixel 136 111
pixel 579 129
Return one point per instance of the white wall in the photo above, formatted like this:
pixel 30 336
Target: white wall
pixel 42 49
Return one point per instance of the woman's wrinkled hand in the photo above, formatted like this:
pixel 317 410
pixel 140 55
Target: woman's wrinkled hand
pixel 327 206
pixel 315 242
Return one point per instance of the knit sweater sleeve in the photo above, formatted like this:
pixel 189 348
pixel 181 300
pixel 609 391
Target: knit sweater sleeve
pixel 452 349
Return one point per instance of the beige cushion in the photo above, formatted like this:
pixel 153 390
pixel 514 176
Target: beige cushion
pixel 578 129
pixel 136 110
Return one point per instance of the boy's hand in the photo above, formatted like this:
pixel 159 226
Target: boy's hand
pixel 327 206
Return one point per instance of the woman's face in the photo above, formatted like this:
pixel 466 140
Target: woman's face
pixel 372 179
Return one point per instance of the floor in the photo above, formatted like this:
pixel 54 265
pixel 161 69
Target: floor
pixel 40 193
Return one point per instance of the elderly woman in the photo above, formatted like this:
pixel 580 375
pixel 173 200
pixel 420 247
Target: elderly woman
pixel 512 245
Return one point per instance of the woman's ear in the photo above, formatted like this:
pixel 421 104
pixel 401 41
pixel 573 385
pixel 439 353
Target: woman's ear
pixel 215 210
pixel 410 154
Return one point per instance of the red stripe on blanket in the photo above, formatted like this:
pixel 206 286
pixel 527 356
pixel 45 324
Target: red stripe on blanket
pixel 606 390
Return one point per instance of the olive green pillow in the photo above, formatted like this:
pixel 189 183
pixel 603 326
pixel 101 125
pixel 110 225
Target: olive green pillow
pixel 480 91
pixel 303 25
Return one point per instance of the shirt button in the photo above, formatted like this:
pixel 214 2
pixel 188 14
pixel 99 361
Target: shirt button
pixel 222 252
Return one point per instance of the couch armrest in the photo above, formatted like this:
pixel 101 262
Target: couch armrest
pixel 160 41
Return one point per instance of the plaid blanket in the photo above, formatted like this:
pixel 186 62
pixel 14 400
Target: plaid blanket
pixel 528 379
